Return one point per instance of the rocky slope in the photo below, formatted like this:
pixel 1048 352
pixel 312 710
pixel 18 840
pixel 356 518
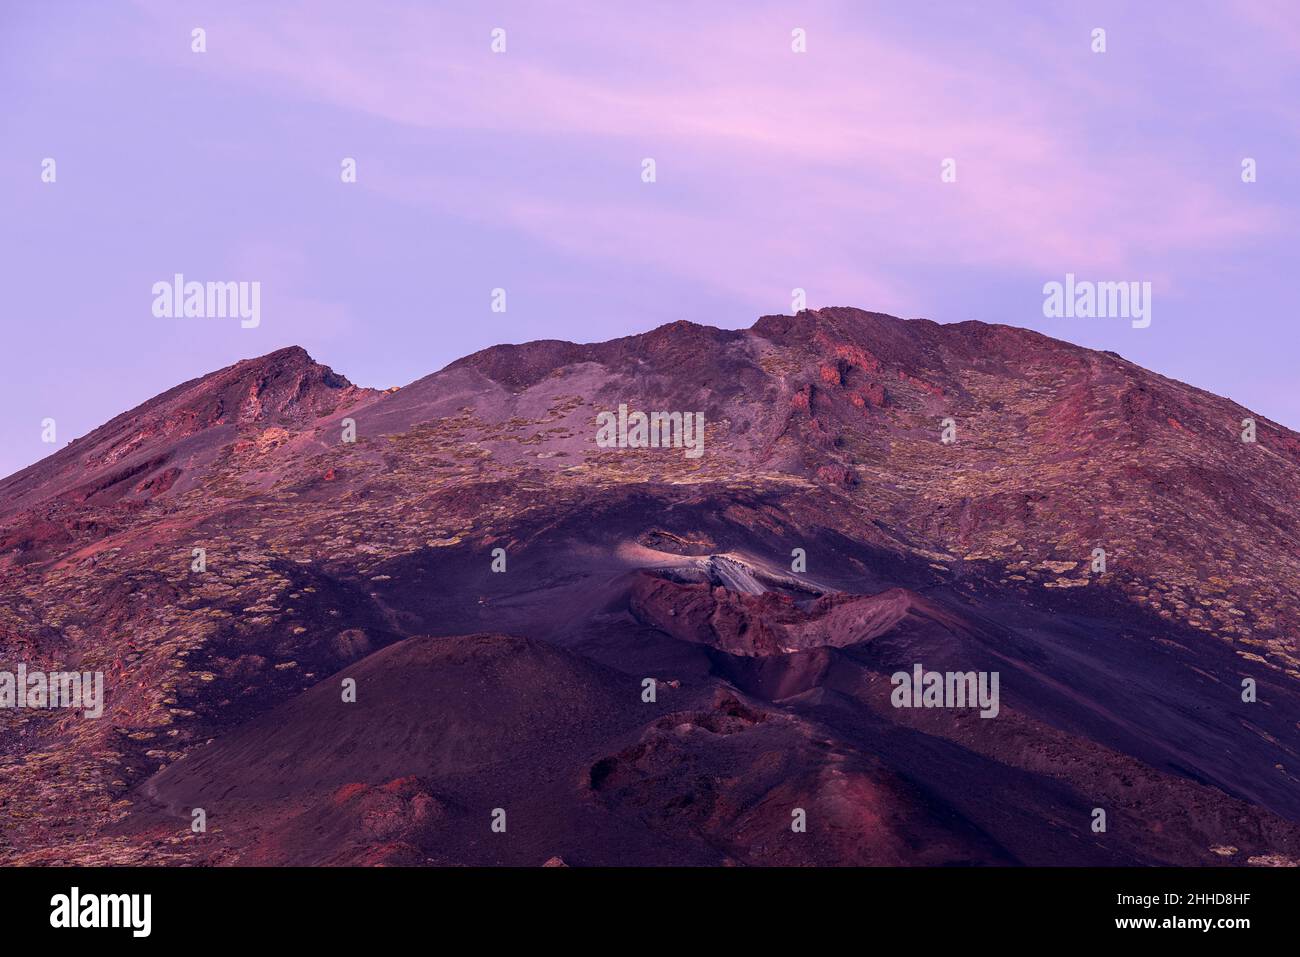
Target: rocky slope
pixel 328 559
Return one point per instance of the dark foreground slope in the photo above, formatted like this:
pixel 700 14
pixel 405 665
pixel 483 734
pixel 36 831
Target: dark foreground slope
pixel 448 732
pixel 1120 691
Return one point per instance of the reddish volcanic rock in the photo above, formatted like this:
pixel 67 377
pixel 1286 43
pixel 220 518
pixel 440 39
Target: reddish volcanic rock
pixel 872 394
pixel 774 624
pixel 836 475
pixel 170 444
pixel 700 644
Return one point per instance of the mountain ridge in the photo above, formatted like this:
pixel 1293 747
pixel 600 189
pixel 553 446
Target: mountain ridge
pixel 824 435
pixel 774 326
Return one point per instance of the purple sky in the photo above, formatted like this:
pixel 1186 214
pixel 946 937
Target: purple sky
pixel 523 170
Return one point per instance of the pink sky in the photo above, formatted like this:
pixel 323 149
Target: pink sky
pixel 522 170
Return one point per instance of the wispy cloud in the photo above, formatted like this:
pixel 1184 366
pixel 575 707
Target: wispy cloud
pixel 756 143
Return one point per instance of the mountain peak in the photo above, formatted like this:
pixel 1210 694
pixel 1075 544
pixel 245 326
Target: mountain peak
pixel 136 453
pixel 291 360
pixel 968 496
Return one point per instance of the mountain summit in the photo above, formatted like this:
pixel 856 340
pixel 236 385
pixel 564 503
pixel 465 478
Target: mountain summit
pixel 874 495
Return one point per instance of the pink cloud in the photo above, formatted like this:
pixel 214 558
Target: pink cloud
pixel 768 144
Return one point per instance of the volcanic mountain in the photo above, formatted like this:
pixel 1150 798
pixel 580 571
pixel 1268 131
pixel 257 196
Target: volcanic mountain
pixel 442 624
